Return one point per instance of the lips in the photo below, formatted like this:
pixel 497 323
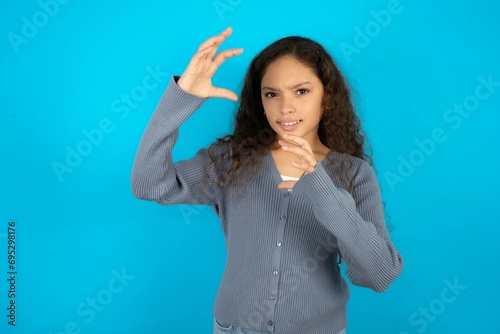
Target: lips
pixel 289 125
pixel 289 122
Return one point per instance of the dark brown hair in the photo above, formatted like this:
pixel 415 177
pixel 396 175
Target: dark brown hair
pixel 339 128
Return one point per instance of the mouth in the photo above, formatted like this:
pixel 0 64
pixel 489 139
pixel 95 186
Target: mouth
pixel 289 125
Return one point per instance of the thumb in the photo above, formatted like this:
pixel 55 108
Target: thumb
pixel 224 93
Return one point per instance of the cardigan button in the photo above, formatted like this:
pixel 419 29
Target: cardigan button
pixel 270 322
pixel 283 217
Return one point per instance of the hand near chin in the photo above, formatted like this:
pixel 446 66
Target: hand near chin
pixel 306 161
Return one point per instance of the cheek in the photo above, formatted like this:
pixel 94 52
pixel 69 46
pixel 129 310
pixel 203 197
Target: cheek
pixel 312 106
pixel 266 104
pixel 270 111
pixel 268 118
pixel 317 106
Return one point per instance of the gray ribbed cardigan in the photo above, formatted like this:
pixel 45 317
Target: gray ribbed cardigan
pixel 281 272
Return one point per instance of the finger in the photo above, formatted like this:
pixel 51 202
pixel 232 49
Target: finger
pixel 216 40
pixel 224 93
pixel 305 166
pixel 299 150
pixel 204 53
pixel 306 163
pixel 223 55
pixel 288 184
pixel 216 44
pixel 297 140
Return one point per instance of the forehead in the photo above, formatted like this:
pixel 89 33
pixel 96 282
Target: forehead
pixel 288 68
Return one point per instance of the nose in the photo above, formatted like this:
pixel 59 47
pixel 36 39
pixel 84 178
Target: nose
pixel 287 106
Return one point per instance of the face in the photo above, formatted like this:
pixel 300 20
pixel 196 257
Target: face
pixel 291 96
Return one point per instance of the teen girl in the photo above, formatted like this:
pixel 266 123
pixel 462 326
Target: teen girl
pixel 291 185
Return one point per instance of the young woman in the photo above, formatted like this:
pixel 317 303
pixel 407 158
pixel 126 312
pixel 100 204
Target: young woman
pixel 291 186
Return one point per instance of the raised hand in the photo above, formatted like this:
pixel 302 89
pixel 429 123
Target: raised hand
pixel 196 78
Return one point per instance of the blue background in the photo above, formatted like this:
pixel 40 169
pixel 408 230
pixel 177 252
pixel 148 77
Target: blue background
pixel 78 230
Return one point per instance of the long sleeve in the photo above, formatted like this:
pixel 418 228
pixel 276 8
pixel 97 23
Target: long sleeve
pixel 155 176
pixel 357 222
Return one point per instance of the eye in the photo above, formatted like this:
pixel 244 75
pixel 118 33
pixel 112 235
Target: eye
pixel 267 94
pixel 302 90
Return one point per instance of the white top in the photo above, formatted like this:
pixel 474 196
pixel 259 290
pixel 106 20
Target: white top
pixel 286 178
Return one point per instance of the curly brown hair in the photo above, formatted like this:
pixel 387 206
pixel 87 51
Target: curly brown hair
pixel 339 128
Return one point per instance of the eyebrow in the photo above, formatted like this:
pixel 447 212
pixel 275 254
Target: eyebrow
pixel 291 87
